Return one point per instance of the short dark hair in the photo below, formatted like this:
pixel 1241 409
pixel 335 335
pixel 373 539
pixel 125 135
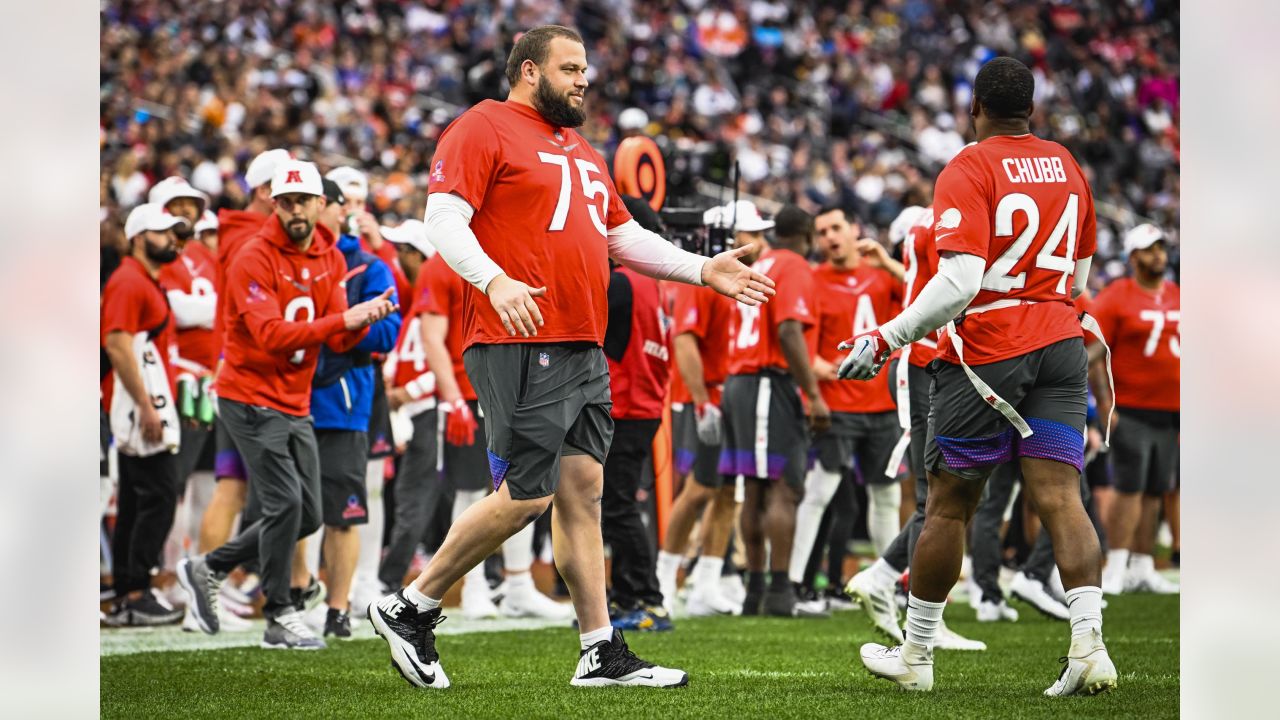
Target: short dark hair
pixel 535 45
pixel 1005 88
pixel 792 222
pixel 848 216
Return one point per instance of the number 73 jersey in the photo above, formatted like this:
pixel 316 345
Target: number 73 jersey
pixel 543 203
pixel 1023 204
pixel 1141 326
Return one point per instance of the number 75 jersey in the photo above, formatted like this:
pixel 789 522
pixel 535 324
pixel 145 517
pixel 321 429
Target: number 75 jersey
pixel 1023 204
pixel 543 203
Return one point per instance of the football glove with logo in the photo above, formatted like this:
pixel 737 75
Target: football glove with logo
pixel 710 423
pixel 867 354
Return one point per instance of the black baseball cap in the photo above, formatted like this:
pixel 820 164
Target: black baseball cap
pixel 333 193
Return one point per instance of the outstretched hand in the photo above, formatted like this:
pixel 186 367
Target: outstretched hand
pixel 726 274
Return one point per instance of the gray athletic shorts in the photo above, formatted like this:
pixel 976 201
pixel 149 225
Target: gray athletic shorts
pixel 1144 451
pixel 918 383
pixel 868 438
pixel 968 438
pixel 344 459
pixel 691 455
pixel 467 466
pixel 765 433
pixel 541 402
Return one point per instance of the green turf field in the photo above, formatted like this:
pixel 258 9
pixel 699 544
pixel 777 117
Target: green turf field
pixel 737 668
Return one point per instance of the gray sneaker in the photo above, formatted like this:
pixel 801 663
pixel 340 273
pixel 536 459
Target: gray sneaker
pixel 287 631
pixel 201 585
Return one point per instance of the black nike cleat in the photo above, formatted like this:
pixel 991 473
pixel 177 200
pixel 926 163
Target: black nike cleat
pixel 611 662
pixel 411 637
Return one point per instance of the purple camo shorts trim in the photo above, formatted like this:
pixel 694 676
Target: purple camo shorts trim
pixel 229 464
pixel 1053 440
pixel 965 453
pixel 743 462
pixel 684 461
pixel 498 469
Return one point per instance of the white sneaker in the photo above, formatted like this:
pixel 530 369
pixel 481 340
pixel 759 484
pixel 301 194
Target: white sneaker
pixel 813 607
pixel 1113 580
pixel 244 593
pixel 911 668
pixel 949 639
pixel 1054 586
pixel 1089 669
pixel 1033 593
pixel 611 663
pixel 995 612
pixel 733 589
pixel 521 602
pixel 1149 581
pixel 877 602
pixel 476 604
pixel 364 595
pixel 705 604
pixel 974 592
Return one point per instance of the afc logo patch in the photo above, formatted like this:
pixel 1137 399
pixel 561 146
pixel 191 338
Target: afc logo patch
pixel 437 173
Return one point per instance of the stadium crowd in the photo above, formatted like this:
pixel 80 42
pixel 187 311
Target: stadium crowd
pixel 839 113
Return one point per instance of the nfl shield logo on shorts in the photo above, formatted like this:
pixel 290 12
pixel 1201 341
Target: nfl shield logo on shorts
pixel 544 359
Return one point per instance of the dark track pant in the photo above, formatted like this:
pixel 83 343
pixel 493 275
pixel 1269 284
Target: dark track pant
pixel 145 504
pixel 634 571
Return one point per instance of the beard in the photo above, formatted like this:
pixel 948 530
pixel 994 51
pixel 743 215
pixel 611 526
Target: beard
pixel 557 109
pixel 161 256
pixel 299 230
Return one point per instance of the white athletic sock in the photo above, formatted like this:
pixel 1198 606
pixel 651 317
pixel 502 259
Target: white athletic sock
pixel 475 580
pixel 371 532
pixel 517 551
pixel 707 570
pixel 1084 605
pixel 1140 564
pixel 586 640
pixel 420 601
pixel 923 620
pixel 520 582
pixel 883 502
pixel 668 569
pixel 884 574
pixel 1117 560
pixel 820 486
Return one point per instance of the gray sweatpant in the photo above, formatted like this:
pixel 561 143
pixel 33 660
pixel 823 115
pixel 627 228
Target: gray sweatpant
pixel 280 453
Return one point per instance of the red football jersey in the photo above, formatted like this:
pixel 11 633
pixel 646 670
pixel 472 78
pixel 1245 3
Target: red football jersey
pixel 543 204
pixel 753 330
pixel 444 297
pixel 920 260
pixel 134 303
pixel 194 273
pixel 1141 326
pixel 281 304
pixel 852 302
pixel 705 314
pixel 411 353
pixel 1023 205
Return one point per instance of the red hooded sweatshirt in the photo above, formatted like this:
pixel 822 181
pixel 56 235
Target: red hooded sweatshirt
pixel 235 227
pixel 281 303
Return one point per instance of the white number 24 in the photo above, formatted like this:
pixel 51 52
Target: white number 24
pixel 590 189
pixel 998 278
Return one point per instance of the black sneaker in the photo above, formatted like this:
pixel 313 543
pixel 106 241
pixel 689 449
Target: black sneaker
pixel 753 603
pixel 337 623
pixel 780 602
pixel 287 631
pixel 611 662
pixel 147 610
pixel 201 584
pixel 410 635
pixel 307 598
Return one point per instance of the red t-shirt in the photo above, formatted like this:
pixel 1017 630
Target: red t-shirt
pixel 411 353
pixel 705 314
pixel 132 302
pixel 1142 328
pixel 281 304
pixel 852 302
pixel 920 261
pixel 543 204
pixel 753 330
pixel 1023 205
pixel 194 273
pixel 444 297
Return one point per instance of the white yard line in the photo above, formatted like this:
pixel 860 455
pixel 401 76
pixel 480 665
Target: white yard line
pixel 129 641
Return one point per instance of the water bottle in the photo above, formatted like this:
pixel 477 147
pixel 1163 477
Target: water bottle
pixel 205 409
pixel 186 395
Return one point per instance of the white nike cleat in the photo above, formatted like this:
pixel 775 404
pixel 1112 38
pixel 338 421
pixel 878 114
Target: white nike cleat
pixel 705 604
pixel 989 611
pixel 1149 581
pixel 973 592
pixel 878 602
pixel 611 663
pixel 410 635
pixel 476 604
pixel 733 589
pixel 949 639
pixel 1088 670
pixel 910 666
pixel 1033 593
pixel 1113 580
pixel 527 602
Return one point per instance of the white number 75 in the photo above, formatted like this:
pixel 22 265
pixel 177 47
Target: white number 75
pixel 590 189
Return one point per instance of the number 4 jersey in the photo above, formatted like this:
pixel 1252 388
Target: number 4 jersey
pixel 1023 204
pixel 543 203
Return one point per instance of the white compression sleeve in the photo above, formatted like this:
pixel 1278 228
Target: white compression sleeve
pixel 192 310
pixel 958 280
pixel 448 221
pixel 1080 281
pixel 648 253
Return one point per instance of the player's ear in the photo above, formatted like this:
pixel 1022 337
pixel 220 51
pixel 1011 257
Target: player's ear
pixel 974 107
pixel 1031 110
pixel 528 70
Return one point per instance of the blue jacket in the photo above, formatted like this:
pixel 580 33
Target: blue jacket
pixel 342 389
